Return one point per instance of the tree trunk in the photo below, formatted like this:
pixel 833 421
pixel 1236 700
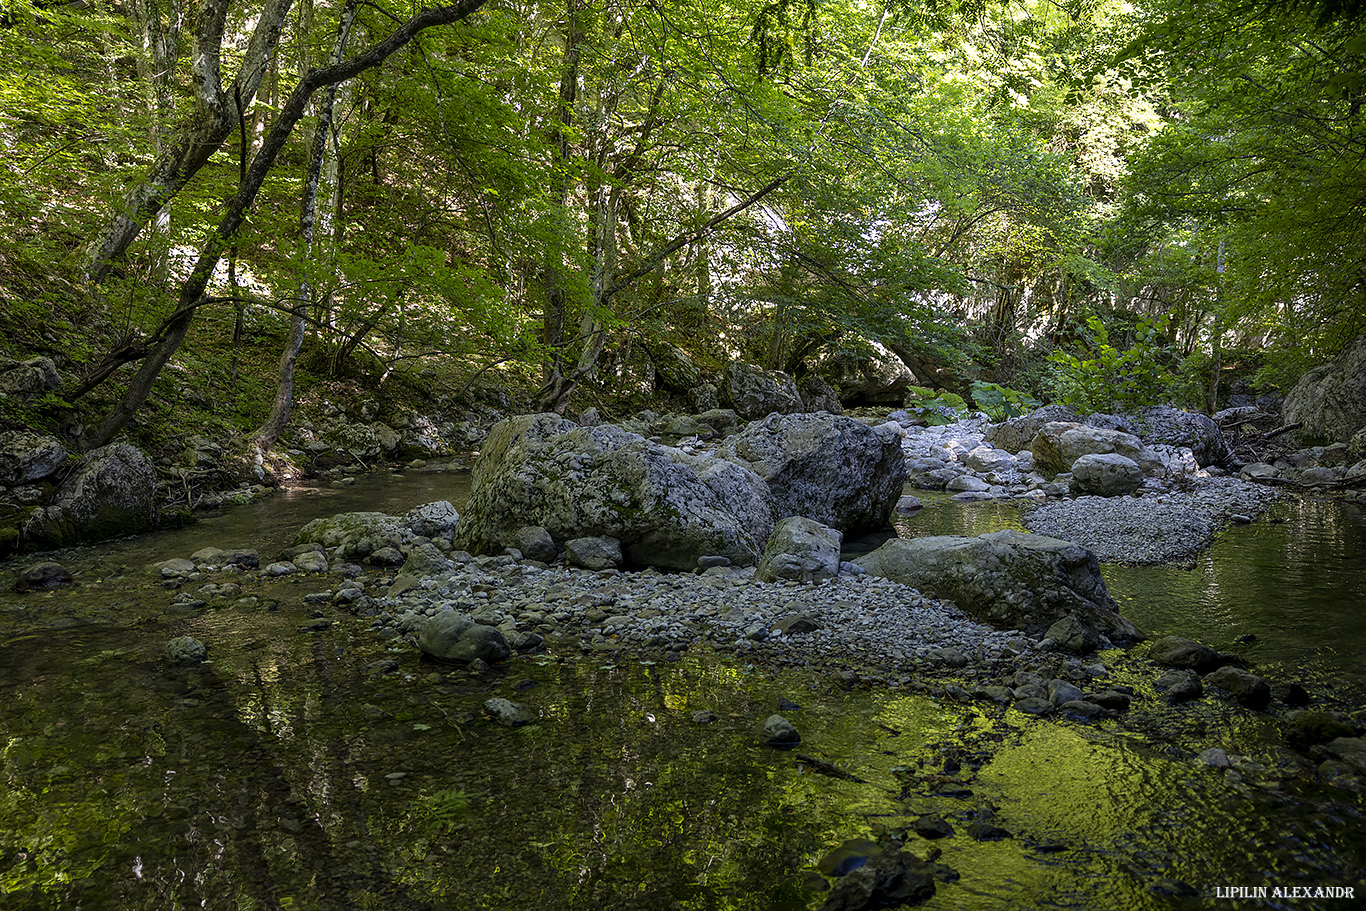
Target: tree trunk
pixel 190 147
pixel 303 296
pixel 192 292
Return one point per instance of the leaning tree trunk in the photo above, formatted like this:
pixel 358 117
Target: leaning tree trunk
pixel 185 152
pixel 303 296
pixel 192 292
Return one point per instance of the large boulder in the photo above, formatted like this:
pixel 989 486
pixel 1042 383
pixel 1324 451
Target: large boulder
pixel 1106 474
pixel 1016 434
pixel 1331 400
pixel 1010 579
pixel 864 371
pixel 363 442
pixel 801 550
pixel 1059 444
pixel 833 469
pixel 112 492
pixel 1162 424
pixel 454 637
pixel 674 369
pixel 26 379
pixel 356 535
pixel 817 395
pixel 26 456
pixel 667 508
pixel 754 392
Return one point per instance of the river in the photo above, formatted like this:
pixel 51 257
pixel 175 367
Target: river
pixel 291 772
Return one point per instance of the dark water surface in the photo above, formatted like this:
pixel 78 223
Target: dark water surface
pixel 288 773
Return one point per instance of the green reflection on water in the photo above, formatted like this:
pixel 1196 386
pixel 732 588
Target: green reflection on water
pixel 284 774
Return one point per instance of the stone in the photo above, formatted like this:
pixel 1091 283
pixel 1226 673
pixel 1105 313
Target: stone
pixel 833 469
pixel 908 505
pixel 1305 727
pixel 1059 444
pixel 282 568
pixel 1331 400
pixel 779 732
pixel 1009 579
pixel 1163 424
pixel 1214 757
pixel 386 556
pixel 509 714
pixel 755 393
pixel 889 879
pixel 966 482
pixel 312 561
pixel 1258 471
pixel 1179 686
pixel 705 716
pixel 675 370
pixel 864 371
pixel 26 456
pixel 1060 691
pixel 802 550
pixel 1106 474
pixel 25 379
pixel 985 830
pixel 1250 690
pixel 1071 635
pixel 932 827
pixel 817 395
pixel 363 442
pixel 666 507
pixel 1349 750
pixel 437 519
pixel 44 576
pixel 354 536
pixel 112 492
pixel 798 624
pixel 454 637
pixel 1113 700
pixel 599 552
pixel 1179 652
pixel 535 543
pixel 1082 709
pixel 986 459
pixel 1033 705
pixel 185 651
pixel 1016 434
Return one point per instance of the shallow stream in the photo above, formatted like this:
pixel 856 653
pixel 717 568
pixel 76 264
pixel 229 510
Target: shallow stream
pixel 292 772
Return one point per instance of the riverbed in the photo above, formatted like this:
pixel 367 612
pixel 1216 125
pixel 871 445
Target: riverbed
pixel 333 769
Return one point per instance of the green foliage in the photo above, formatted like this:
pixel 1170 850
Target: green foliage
pixel 936 407
pixel 1111 378
pixel 1001 403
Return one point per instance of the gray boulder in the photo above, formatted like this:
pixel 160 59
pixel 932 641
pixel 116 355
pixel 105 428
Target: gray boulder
pixel 185 651
pixel 112 492
pixel 1107 474
pixel 26 456
pixel 833 469
pixel 865 371
pixel 779 732
pixel 43 576
pixel 422 560
pixel 1016 434
pixel 1249 689
pixel 667 508
pixel 363 442
pixel 817 395
pixel 1010 579
pixel 437 519
pixel 454 637
pixel 509 714
pixel 1331 400
pixel 536 543
pixel 1183 653
pixel 1071 635
pixel 357 535
pixel 674 369
pixel 597 552
pixel 1059 444
pixel 1172 427
pixel 26 379
pixel 802 550
pixel 754 392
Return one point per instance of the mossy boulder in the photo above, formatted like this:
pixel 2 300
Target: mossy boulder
pixel 111 493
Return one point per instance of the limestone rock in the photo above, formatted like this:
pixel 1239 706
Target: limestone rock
pixel 817 395
pixel 1107 474
pixel 1059 444
pixel 674 369
pixel 599 552
pixel 755 393
pixel 890 879
pixel 186 651
pixel 865 372
pixel 26 456
pixel 508 713
pixel 1071 635
pixel 1187 654
pixel 829 468
pixel 1010 579
pixel 1016 434
pixel 112 492
pixel 437 519
pixel 26 379
pixel 800 549
pixel 1331 400
pixel 1170 426
pixel 535 543
pixel 454 637
pixel 356 535
pixel 667 508
pixel 1179 686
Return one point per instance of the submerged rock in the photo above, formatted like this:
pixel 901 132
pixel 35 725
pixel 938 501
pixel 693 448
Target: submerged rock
pixel 889 879
pixel 1249 689
pixel 779 732
pixel 509 714
pixel 1009 579
pixel 186 651
pixel 43 576
pixel 1179 652
pixel 454 637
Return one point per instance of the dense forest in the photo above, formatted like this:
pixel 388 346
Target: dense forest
pixel 212 211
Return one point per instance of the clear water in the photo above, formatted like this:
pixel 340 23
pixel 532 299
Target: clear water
pixel 286 773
